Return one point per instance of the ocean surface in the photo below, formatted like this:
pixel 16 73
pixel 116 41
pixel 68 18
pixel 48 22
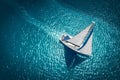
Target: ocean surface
pixel 29 39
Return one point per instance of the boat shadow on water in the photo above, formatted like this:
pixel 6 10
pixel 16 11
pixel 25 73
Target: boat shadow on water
pixel 72 59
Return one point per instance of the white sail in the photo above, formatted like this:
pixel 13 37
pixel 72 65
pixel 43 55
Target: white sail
pixel 87 49
pixel 82 42
pixel 79 38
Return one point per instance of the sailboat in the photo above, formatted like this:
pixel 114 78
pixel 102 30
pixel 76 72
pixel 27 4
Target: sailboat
pixel 80 43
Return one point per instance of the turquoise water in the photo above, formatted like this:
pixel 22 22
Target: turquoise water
pixel 30 47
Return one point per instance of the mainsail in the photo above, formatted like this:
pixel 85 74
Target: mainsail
pixel 79 38
pixel 87 49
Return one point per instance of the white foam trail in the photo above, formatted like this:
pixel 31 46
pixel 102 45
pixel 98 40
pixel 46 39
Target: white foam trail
pixel 40 25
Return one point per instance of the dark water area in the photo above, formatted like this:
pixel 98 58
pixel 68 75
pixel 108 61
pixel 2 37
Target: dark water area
pixel 29 39
pixel 106 10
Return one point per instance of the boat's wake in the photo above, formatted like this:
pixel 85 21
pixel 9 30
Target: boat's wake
pixel 39 24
